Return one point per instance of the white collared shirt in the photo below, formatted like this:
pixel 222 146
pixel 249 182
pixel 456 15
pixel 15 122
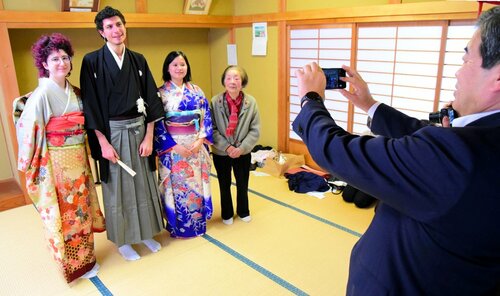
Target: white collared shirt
pixel 457 122
pixel 372 109
pixel 465 120
pixel 119 60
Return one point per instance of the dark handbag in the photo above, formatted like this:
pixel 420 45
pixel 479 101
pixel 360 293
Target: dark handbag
pixel 358 197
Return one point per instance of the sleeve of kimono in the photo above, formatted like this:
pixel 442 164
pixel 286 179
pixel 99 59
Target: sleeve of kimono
pixel 34 159
pixel 163 141
pixel 253 135
pixel 209 209
pixel 206 130
pixel 219 140
pixel 152 96
pixel 94 119
pixel 30 130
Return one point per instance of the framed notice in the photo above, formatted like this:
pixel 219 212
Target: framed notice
pixel 197 6
pixel 79 5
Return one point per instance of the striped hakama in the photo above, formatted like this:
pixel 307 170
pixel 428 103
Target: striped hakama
pixel 131 204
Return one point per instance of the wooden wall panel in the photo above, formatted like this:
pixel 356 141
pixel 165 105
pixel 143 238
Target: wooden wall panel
pixel 9 90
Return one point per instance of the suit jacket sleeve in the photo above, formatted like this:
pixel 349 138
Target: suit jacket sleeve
pixel 390 122
pixel 404 172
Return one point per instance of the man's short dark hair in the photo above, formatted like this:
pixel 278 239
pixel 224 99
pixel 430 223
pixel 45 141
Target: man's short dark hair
pixel 489 27
pixel 105 13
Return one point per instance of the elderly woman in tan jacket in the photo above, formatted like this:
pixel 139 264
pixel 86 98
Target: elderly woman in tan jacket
pixel 236 124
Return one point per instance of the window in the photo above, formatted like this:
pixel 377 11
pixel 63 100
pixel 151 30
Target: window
pixel 408 66
pixel 330 48
pixel 457 38
pixel 400 65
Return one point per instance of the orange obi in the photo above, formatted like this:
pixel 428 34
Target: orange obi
pixel 59 125
pixel 65 121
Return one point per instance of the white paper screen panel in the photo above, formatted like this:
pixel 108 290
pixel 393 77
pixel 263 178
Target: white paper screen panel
pixel 330 48
pixel 304 53
pixel 304 43
pixel 457 38
pixel 423 81
pixel 304 34
pixel 400 64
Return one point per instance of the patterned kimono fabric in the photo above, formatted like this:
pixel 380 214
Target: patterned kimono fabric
pixel 184 183
pixel 53 155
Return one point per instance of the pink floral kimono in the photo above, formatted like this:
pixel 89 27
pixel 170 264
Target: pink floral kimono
pixel 53 155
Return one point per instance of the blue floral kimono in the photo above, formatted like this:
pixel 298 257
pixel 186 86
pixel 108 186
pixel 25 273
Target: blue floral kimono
pixel 184 183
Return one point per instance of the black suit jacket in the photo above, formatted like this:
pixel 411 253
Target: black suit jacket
pixel 436 230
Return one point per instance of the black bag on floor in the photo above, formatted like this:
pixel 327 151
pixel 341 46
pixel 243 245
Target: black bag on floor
pixel 359 198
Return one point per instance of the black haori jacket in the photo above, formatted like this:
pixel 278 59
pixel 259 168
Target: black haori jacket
pixel 108 92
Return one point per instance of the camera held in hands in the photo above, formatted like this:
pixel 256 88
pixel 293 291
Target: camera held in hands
pixel 333 78
pixel 437 117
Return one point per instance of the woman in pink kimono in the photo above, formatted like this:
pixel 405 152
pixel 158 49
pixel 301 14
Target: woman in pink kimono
pixel 53 155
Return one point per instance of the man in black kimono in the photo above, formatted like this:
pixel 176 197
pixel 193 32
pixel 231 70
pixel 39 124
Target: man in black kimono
pixel 121 104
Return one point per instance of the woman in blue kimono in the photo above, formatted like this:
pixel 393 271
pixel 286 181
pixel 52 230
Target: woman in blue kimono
pixel 181 141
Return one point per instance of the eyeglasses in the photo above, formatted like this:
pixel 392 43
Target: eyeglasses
pixel 65 59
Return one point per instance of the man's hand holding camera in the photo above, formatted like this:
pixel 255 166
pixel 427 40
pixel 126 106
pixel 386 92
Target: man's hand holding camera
pixel 312 79
pixel 360 95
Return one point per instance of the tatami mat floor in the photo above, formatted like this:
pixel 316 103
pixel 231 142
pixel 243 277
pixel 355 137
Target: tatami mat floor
pixel 296 244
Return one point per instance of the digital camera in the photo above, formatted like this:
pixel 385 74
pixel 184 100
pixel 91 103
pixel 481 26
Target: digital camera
pixel 333 78
pixel 437 117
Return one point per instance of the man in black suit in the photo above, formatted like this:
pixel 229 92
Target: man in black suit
pixel 436 230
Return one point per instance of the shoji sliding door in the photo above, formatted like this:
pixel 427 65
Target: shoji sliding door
pixel 409 66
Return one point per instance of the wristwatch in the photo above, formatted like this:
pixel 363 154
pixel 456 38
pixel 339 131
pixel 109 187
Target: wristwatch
pixel 311 96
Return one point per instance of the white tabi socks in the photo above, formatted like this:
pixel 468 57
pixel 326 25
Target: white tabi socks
pixel 153 245
pixel 91 273
pixel 128 253
pixel 131 255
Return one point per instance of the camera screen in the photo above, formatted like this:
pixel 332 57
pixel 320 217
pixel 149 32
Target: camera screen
pixel 332 78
